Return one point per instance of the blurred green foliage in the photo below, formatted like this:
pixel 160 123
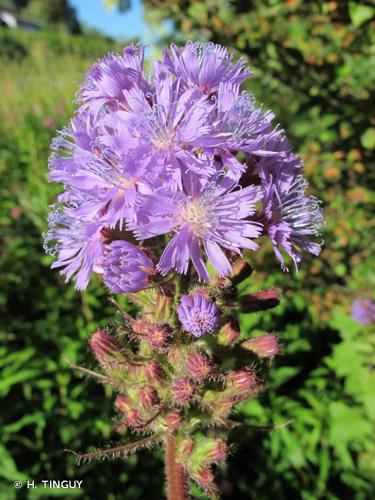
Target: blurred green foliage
pixel 45 405
pixel 313 64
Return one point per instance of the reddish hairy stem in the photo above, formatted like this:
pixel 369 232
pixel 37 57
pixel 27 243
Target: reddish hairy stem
pixel 176 476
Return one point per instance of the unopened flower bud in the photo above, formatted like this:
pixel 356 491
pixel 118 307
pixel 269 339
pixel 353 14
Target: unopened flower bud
pixel 218 451
pixel 183 390
pixel 176 355
pixel 159 335
pixel 259 301
pixel 127 268
pixel 162 311
pixel 140 326
pixel 265 346
pixel 133 418
pixel 123 404
pixel 152 371
pixel 240 271
pixel 186 447
pixel 209 451
pixel 242 382
pixel 219 403
pixel 229 333
pixel 198 365
pixel 148 396
pixel 106 348
pixel 173 420
pixel 205 478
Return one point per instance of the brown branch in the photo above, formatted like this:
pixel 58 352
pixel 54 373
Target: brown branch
pixel 176 475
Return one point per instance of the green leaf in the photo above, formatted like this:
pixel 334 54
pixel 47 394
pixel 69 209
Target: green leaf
pixel 359 14
pixel 8 467
pixel 368 138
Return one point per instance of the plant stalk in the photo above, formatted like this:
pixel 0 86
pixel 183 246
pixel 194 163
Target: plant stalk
pixel 176 476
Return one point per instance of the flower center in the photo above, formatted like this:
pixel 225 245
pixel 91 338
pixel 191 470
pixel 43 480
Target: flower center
pixel 196 213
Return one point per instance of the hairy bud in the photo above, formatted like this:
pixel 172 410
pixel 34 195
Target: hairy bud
pixel 198 365
pixel 176 355
pixel 162 311
pixel 152 371
pixel 133 418
pixel 173 420
pixel 265 346
pixel 140 326
pixel 183 390
pixel 219 403
pixel 205 478
pixel 148 396
pixel 159 336
pixel 229 333
pixel 186 447
pixel 242 383
pixel 122 404
pixel 209 451
pixel 106 348
pixel 259 301
pixel 240 271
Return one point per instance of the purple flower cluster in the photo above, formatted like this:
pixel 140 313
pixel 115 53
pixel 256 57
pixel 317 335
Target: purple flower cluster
pixel 182 158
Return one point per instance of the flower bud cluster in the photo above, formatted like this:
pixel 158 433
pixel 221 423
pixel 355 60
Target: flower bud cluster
pixel 171 373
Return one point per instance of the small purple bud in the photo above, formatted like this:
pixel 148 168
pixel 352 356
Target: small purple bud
pixel 265 346
pixel 363 311
pixel 126 267
pixel 183 390
pixel 131 415
pixel 198 314
pixel 198 365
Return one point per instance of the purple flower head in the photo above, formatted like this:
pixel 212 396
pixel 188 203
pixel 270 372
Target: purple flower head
pixel 77 243
pixel 198 314
pixel 170 130
pixel 291 219
pixel 363 311
pixel 213 215
pixel 126 268
pixel 108 79
pixel 204 65
pixel 243 127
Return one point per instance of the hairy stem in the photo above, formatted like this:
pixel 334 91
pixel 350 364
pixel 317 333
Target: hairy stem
pixel 176 476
